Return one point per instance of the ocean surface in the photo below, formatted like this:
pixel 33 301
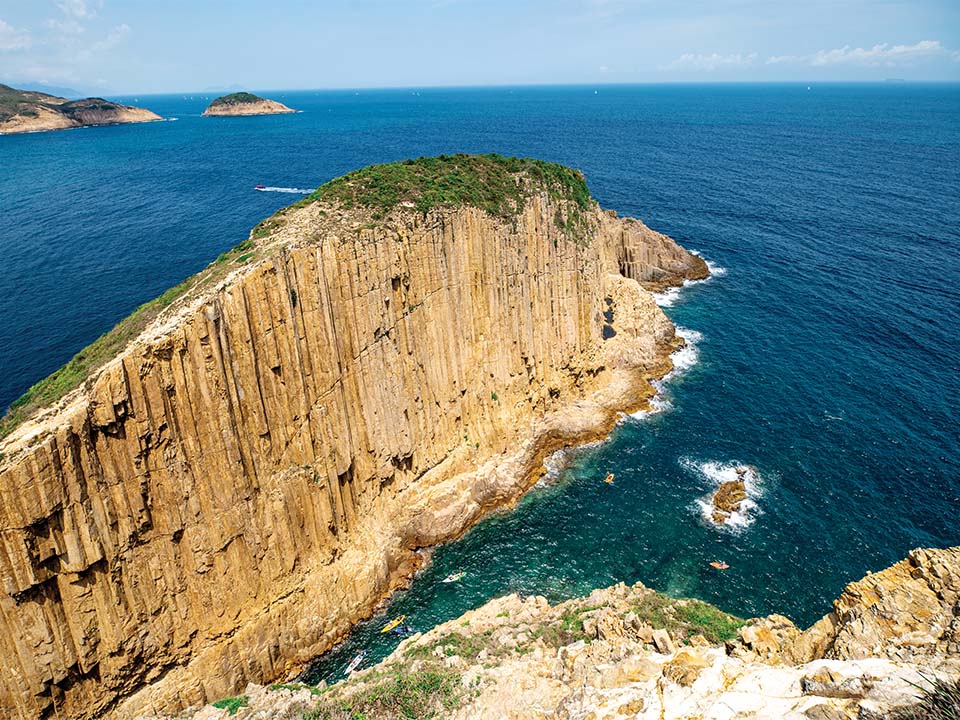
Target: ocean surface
pixel 824 351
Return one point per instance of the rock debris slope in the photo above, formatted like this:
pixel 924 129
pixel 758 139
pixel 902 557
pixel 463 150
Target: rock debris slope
pixel 367 375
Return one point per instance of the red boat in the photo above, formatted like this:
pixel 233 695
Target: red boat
pixel 259 187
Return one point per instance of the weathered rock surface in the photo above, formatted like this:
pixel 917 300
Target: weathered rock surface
pixel 908 612
pixel 238 104
pixel 22 111
pixel 592 658
pixel 220 503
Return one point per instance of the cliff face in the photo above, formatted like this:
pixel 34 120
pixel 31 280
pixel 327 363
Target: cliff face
pixel 222 501
pixel 34 112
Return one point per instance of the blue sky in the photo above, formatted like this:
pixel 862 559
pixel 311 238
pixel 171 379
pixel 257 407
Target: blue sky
pixel 142 46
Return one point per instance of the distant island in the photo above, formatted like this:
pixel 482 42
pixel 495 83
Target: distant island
pixel 244 103
pixel 28 111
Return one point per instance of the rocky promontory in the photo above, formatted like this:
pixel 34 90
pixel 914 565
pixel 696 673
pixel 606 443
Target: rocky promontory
pixel 890 650
pixel 244 103
pixel 214 492
pixel 25 111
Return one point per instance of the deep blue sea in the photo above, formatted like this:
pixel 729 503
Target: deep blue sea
pixel 826 355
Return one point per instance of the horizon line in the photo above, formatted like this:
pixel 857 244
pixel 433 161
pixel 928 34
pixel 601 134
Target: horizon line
pixel 507 86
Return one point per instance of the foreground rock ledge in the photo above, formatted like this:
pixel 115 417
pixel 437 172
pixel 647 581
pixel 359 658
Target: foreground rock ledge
pixel 221 502
pixel 628 652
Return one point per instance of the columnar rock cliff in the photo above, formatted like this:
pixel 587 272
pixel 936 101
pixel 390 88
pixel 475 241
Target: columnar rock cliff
pixel 223 500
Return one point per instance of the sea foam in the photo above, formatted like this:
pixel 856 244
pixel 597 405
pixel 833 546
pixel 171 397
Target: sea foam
pixel 714 474
pixel 669 296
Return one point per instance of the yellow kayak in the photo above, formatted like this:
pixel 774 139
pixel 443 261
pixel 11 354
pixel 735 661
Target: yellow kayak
pixel 392 624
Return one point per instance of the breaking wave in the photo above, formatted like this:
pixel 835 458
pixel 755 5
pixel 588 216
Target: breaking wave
pixel 714 474
pixel 669 296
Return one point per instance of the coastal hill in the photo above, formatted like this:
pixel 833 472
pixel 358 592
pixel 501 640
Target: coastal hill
pixel 26 111
pixel 244 103
pixel 218 489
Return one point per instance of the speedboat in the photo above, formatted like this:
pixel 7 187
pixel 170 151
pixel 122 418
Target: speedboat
pixel 259 187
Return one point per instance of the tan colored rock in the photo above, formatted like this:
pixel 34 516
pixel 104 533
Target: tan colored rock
pixel 224 500
pixel 907 612
pixel 727 500
pixel 685 667
pixel 663 642
pixel 241 104
pixel 24 111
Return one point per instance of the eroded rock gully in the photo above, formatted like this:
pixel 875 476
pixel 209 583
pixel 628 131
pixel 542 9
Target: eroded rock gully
pixel 221 502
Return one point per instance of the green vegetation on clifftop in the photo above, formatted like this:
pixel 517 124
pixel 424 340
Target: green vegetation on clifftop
pixel 236 98
pixel 500 185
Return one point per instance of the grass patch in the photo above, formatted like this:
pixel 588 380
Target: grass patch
pixel 393 695
pixel 297 687
pixel 688 617
pixel 939 700
pixel 237 98
pixel 466 646
pixel 494 183
pixel 565 632
pixel 232 704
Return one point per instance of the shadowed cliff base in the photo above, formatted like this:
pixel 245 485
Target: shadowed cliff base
pixel 370 373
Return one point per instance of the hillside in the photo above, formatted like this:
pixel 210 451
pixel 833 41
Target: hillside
pixel 24 111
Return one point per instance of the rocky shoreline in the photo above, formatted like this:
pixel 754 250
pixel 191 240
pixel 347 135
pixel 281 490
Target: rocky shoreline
pixel 629 652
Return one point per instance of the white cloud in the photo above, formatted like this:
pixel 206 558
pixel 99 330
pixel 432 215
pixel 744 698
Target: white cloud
pixel 882 54
pixel 113 38
pixel 76 9
pixel 66 27
pixel 710 62
pixel 13 39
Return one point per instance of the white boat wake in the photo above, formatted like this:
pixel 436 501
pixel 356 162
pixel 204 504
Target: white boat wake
pixel 295 191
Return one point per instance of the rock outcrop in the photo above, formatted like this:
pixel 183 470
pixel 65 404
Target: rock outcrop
pixel 221 502
pixel 23 111
pixel 628 652
pixel 244 103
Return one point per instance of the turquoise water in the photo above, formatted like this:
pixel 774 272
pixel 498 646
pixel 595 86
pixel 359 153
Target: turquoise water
pixel 826 354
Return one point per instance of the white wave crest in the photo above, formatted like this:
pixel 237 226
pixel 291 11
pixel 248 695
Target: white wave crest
pixel 669 296
pixel 716 474
pixel 295 191
pixel 683 359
